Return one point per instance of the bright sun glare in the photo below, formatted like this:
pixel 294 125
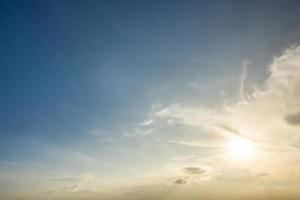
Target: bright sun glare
pixel 240 148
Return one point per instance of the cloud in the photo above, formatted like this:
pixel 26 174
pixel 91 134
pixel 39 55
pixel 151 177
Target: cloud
pixel 243 80
pixel 147 122
pixel 293 119
pixel 181 180
pixel 263 174
pixel 143 130
pixel 268 115
pixel 191 176
pixel 73 188
pixel 261 117
pixel 193 170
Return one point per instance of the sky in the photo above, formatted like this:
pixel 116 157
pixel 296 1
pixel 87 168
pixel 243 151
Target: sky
pixel 164 100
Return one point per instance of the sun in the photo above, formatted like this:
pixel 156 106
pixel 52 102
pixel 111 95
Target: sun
pixel 240 148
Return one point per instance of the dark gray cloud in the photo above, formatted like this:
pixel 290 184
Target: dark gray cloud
pixel 183 180
pixel 293 119
pixel 193 170
pixel 190 174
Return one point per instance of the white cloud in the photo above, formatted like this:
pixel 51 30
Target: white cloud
pixel 266 116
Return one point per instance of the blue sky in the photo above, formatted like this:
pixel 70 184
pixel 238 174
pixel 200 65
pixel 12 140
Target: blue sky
pixel 77 77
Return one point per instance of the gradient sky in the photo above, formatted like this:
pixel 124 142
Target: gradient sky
pixel 99 95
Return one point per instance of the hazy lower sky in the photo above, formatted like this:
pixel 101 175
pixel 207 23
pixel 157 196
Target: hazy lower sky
pixel 139 100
